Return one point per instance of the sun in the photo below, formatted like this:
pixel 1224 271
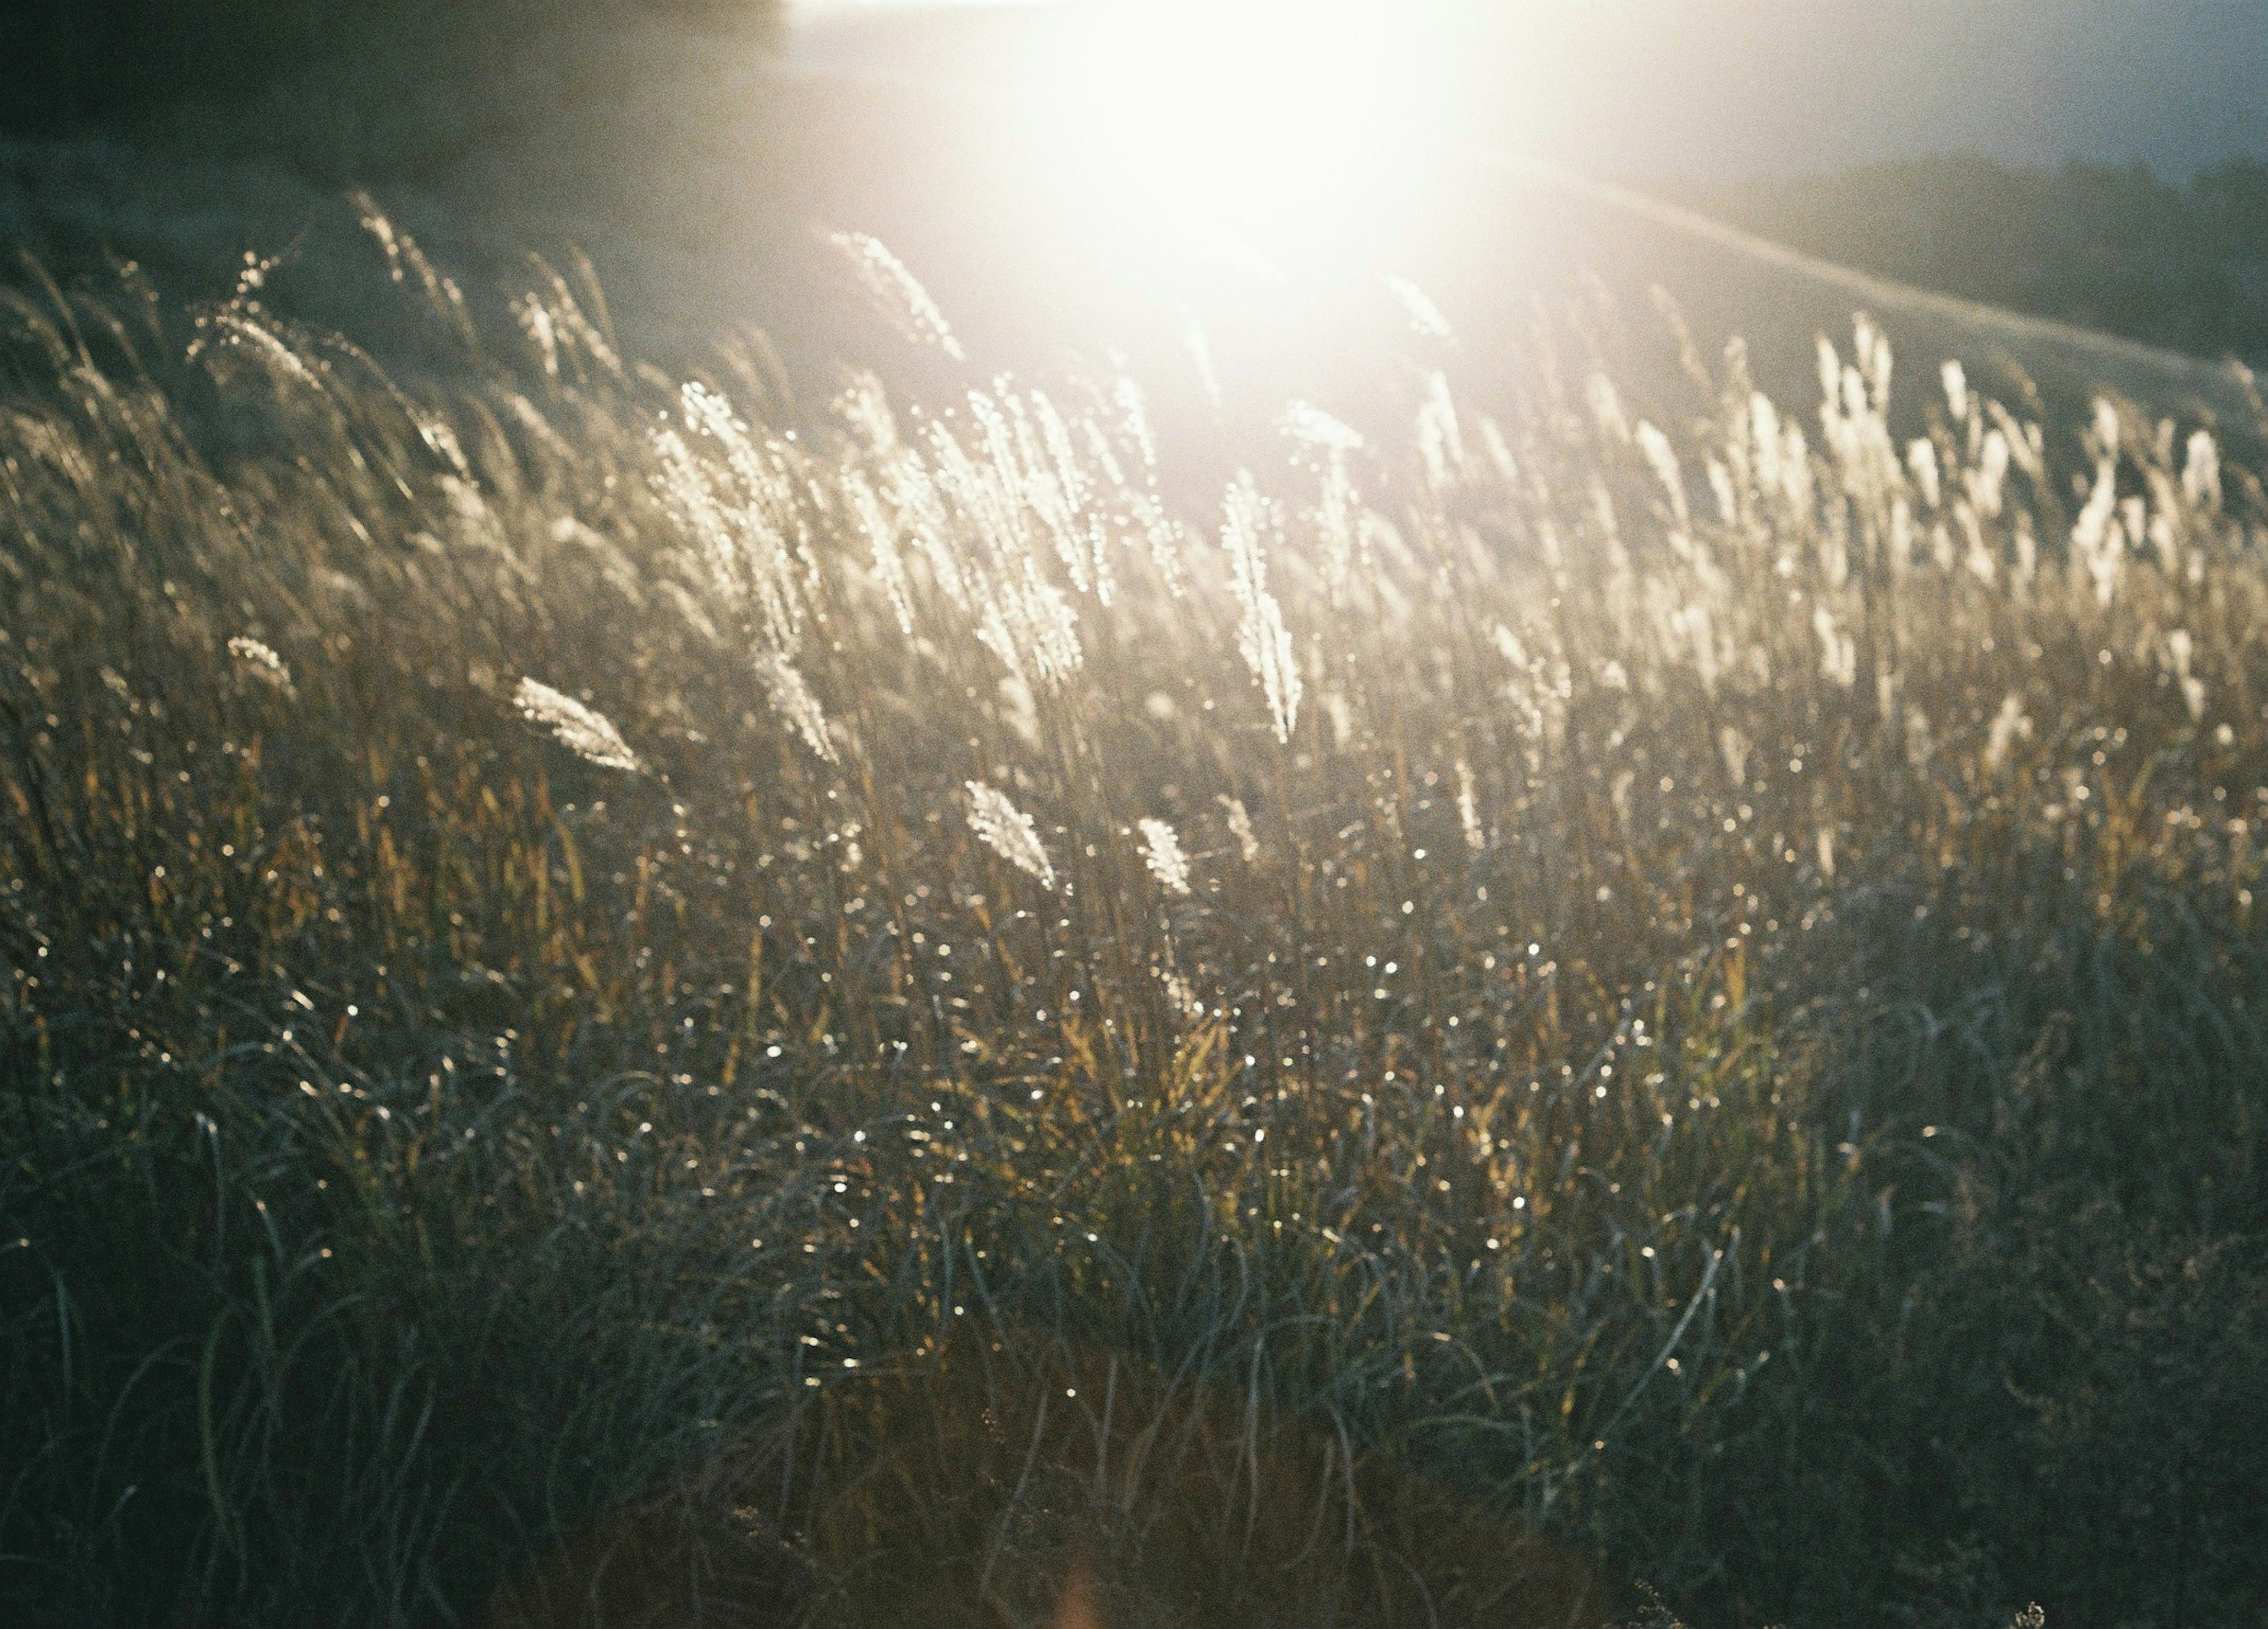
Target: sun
pixel 1241 111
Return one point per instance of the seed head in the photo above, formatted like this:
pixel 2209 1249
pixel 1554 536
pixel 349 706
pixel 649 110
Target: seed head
pixel 1008 832
pixel 586 733
pixel 262 663
pixel 1161 851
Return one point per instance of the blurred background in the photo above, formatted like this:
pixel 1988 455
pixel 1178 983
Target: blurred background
pixel 1092 176
pixel 1725 89
pixel 2101 161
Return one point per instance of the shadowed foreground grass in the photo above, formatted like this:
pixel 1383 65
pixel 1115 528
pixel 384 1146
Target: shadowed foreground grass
pixel 1011 1475
pixel 1702 989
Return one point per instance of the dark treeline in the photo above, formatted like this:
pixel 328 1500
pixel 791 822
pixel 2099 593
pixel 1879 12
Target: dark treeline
pixel 69 66
pixel 2117 249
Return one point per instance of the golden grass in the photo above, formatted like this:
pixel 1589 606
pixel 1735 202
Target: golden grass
pixel 1689 933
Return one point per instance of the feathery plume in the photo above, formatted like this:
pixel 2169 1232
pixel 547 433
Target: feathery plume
pixel 1022 617
pixel 534 319
pixel 1161 852
pixel 262 663
pixel 1663 458
pixel 586 733
pixel 736 501
pixel 1838 652
pixel 1441 438
pixel 897 293
pixel 1721 489
pixel 2010 725
pixel 1425 316
pixel 1921 458
pixel 1008 832
pixel 1469 813
pixel 1735 747
pixel 1956 388
pixel 1309 425
pixel 2181 652
pixel 2106 426
pixel 1991 476
pixel 881 537
pixel 1921 741
pixel 1871 350
pixel 2098 542
pixel 1764 437
pixel 791 699
pixel 1260 635
pixel 1240 827
pixel 1019 708
pixel 1606 404
pixel 2201 473
pixel 404 257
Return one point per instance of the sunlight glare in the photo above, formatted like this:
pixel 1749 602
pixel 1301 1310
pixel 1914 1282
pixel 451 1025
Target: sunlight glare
pixel 1239 112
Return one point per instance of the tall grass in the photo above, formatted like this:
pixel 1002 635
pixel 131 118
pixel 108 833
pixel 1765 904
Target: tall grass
pixel 1700 983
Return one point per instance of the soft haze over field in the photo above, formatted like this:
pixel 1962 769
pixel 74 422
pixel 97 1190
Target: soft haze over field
pixel 1725 87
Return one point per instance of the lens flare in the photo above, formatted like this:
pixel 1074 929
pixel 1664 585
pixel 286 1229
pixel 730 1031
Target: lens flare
pixel 1258 115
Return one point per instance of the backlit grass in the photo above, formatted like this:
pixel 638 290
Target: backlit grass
pixel 1701 984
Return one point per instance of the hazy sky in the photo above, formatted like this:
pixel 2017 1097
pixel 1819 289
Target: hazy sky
pixel 1736 86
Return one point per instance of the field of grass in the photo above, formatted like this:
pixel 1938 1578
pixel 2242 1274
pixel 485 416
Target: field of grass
pixel 1702 985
